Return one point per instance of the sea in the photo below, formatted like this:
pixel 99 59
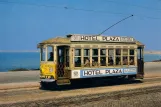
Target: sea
pixel 31 60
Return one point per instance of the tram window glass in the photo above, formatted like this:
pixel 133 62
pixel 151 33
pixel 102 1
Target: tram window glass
pixel 77 61
pixel 61 55
pixel 77 58
pixel 77 52
pixel 42 54
pixel 125 60
pixel 103 57
pixel 94 57
pixel 125 57
pixel 118 57
pixel 86 57
pixel 95 52
pixel 50 55
pixel 110 57
pixel 86 52
pixel 131 52
pixel 131 57
pixel 67 57
pixel 131 60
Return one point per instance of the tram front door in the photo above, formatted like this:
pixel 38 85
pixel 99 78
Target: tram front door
pixel 63 65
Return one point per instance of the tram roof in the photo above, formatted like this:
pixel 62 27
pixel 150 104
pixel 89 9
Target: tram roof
pixel 71 38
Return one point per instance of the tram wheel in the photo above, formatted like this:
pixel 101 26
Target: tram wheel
pixel 48 86
pixel 43 85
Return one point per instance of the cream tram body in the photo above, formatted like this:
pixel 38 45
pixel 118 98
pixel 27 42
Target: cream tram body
pixel 89 56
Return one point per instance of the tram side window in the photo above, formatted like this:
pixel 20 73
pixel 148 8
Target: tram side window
pixel 77 58
pixel 94 57
pixel 50 55
pixel 110 57
pixel 131 57
pixel 118 57
pixel 103 57
pixel 125 57
pixel 42 54
pixel 86 57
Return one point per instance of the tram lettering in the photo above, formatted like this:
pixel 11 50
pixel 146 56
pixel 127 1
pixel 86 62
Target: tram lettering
pixel 108 71
pixel 110 38
pixel 114 39
pixel 92 72
pixel 113 71
pixel 89 38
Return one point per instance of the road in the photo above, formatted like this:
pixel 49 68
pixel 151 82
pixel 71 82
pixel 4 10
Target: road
pixel 115 94
pixel 152 69
pixel 96 93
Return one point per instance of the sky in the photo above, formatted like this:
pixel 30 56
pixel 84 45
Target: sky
pixel 25 23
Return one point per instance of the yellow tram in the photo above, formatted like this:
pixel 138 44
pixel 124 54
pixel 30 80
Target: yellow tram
pixel 79 56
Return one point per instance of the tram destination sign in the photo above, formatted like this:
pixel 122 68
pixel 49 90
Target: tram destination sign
pixel 102 38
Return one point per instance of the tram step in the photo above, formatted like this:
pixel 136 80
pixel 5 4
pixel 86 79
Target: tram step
pixel 63 82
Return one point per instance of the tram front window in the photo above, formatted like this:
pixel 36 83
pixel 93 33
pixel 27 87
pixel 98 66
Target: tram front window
pixel 51 58
pixel 50 55
pixel 42 58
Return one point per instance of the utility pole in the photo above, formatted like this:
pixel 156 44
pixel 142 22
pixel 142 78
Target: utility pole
pixel 115 24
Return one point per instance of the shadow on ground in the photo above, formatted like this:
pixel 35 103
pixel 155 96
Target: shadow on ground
pixel 89 83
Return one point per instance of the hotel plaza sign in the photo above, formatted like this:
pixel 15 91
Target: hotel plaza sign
pixel 101 38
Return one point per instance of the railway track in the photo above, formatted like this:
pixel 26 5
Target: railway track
pixel 81 94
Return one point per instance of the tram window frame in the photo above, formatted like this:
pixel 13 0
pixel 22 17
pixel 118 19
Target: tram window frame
pixel 86 57
pixel 118 56
pixel 42 54
pixel 102 57
pixel 111 56
pixel 78 57
pixel 95 57
pixel 131 57
pixel 67 57
pixel 125 56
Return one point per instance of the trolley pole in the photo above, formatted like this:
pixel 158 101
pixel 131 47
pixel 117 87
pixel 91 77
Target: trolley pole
pixel 115 24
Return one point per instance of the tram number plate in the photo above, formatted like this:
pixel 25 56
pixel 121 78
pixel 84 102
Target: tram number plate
pixel 102 72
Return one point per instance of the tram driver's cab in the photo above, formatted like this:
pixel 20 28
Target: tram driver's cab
pixel 54 63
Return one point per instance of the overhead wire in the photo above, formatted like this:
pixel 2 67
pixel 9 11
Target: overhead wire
pixel 79 9
pixel 134 5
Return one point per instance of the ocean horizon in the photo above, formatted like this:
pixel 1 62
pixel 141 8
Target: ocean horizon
pixel 30 60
